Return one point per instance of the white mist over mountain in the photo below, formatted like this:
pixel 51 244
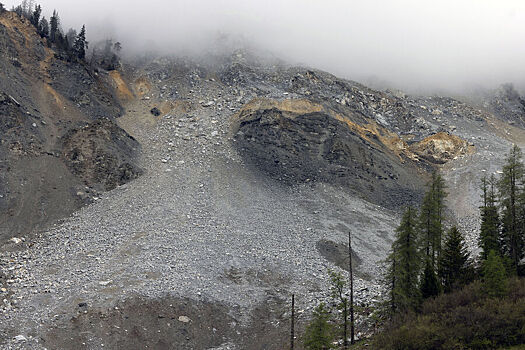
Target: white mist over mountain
pixel 410 44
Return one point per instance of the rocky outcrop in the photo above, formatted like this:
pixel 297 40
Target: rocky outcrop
pixel 44 102
pixel 102 154
pixel 301 141
pixel 507 104
pixel 440 148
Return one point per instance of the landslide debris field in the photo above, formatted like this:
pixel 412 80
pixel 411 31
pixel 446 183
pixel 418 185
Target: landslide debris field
pixel 251 175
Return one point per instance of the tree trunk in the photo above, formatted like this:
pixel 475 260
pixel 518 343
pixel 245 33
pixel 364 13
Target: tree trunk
pixel 352 325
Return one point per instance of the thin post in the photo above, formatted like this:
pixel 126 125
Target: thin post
pixel 292 330
pixel 352 337
pixel 345 333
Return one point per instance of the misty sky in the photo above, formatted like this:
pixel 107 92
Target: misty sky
pixel 447 44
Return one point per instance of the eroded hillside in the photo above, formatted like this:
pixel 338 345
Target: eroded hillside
pixel 254 173
pixel 45 98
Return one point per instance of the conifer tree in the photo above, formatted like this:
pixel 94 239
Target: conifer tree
pixel 35 16
pixel 511 199
pixel 18 10
pixel 489 238
pixel 429 283
pixel 337 291
pixel 54 24
pixel 80 44
pixel 43 28
pixel 454 260
pixel 495 282
pixel 431 218
pixel 2 8
pixel 318 334
pixel 405 258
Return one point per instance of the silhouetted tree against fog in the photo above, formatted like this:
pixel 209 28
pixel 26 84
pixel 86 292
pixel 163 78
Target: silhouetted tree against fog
pixel 2 8
pixel 80 44
pixel 54 23
pixel 43 28
pixel 35 16
pixel 512 202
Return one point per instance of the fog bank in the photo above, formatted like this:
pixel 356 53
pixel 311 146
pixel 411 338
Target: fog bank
pixel 409 44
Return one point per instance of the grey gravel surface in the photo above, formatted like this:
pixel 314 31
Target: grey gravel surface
pixel 199 216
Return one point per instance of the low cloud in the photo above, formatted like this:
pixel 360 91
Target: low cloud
pixel 414 45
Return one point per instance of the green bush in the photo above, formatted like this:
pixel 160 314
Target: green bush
pixel 465 319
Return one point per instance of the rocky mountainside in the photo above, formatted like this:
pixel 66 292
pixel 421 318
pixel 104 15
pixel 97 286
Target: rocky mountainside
pixel 49 129
pixel 254 173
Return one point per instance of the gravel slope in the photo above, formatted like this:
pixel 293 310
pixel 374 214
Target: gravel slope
pixel 200 224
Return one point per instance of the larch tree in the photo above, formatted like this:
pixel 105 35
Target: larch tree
pixel 318 333
pixel 489 237
pixel 406 261
pixel 512 203
pixel 337 291
pixel 430 223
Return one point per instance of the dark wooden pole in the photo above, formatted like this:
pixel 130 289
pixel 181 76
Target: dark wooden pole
pixel 292 330
pixel 345 333
pixel 352 327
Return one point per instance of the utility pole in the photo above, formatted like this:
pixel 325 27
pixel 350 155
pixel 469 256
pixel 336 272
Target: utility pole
pixel 352 337
pixel 292 330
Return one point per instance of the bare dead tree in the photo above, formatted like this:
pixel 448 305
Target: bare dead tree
pixel 292 330
pixel 351 273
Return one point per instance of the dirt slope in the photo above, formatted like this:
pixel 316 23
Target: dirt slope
pixel 43 99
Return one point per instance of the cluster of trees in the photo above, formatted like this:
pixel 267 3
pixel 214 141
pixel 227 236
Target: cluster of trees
pixel 106 54
pixel 424 262
pixel 70 44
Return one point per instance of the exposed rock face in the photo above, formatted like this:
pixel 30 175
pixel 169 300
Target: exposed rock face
pixel 508 105
pixel 298 140
pixel 101 153
pixel 440 148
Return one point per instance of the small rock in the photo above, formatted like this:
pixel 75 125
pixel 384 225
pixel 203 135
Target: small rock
pixel 20 338
pixel 184 319
pixel 155 111
pixel 16 240
pixel 208 104
pixel 104 283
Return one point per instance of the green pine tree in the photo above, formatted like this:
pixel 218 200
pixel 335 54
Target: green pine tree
pixel 80 44
pixel 318 334
pixel 429 283
pixel 35 16
pixel 489 238
pixel 431 218
pixel 454 261
pixel 512 199
pixel 495 282
pixel 406 261
pixel 337 292
pixel 43 28
pixel 54 27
